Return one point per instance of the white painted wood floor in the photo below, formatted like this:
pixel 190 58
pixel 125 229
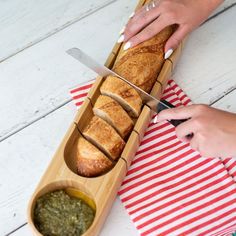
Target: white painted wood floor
pixel 36 75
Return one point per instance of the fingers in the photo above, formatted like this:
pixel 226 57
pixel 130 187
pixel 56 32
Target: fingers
pixel 177 113
pixel 174 41
pixel 149 31
pixel 184 130
pixel 196 125
pixel 147 23
pixel 141 19
pixel 194 144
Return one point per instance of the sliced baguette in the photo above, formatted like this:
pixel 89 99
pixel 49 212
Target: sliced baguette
pixel 123 93
pixel 91 161
pixel 142 64
pixel 103 136
pixel 111 111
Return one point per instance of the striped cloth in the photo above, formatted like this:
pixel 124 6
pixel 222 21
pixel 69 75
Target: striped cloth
pixel 169 188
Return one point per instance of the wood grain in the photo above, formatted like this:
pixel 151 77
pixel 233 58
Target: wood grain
pixel 25 155
pixel 25 23
pixel 28 165
pixel 24 158
pixel 206 70
pixel 227 102
pixel 47 69
pixel 62 171
pixel 39 67
pixel 117 219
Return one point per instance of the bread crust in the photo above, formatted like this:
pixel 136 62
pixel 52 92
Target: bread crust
pixel 111 111
pixel 123 93
pixel 142 64
pixel 91 162
pixel 103 136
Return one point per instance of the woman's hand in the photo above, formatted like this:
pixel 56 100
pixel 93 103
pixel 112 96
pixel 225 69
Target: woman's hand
pixel 214 131
pixel 155 16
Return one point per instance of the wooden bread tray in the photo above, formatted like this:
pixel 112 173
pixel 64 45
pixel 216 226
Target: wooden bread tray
pixel 61 172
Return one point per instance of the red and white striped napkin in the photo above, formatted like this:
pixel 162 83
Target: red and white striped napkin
pixel 169 188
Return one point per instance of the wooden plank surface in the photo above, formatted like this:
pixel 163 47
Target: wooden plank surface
pixel 227 102
pixel 40 69
pixel 26 156
pixel 25 166
pixel 207 69
pixel 21 194
pixel 34 83
pixel 26 22
pixel 117 223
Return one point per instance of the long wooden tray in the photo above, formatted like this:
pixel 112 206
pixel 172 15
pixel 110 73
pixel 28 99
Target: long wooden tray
pixel 61 172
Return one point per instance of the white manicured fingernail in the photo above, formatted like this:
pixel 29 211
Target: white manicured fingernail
pixel 155 120
pixel 132 14
pixel 168 53
pixel 121 39
pixel 127 45
pixel 122 30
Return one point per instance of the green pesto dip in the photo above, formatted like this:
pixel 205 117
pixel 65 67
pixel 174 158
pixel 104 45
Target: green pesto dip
pixel 58 214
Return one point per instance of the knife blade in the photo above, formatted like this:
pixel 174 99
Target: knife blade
pixel 152 102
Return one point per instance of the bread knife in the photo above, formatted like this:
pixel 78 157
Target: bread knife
pixel 152 102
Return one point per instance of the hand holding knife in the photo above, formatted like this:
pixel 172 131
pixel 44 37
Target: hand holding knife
pixel 152 102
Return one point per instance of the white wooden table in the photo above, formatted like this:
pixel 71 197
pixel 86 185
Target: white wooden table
pixel 36 75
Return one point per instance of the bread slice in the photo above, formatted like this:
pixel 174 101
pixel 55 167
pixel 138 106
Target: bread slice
pixel 123 93
pixel 103 136
pixel 111 111
pixel 91 161
pixel 142 63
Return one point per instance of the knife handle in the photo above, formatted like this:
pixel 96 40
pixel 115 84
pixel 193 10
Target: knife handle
pixel 161 107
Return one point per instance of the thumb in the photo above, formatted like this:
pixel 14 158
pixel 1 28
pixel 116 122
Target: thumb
pixel 175 39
